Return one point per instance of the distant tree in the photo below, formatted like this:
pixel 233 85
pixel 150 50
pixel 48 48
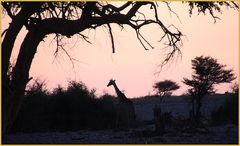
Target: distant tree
pixel 164 88
pixel 68 18
pixel 207 73
pixel 234 88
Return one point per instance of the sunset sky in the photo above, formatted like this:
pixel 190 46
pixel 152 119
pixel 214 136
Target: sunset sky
pixel 132 66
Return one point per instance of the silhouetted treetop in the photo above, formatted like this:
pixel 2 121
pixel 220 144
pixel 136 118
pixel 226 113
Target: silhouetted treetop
pixel 207 73
pixel 211 7
pixel 165 88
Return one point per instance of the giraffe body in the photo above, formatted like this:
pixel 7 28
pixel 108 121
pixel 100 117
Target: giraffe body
pixel 125 109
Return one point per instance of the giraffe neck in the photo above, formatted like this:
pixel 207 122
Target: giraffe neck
pixel 119 93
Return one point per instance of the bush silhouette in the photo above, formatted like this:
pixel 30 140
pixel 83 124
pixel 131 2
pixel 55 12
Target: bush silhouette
pixel 69 109
pixel 34 109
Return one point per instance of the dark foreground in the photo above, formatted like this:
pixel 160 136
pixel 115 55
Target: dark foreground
pixel 227 134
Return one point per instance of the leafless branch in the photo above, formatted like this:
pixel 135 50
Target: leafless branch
pixel 171 11
pixel 97 17
pixel 57 40
pixel 173 38
pixel 137 33
pixel 145 40
pixel 60 46
pixel 112 9
pixel 111 36
pixel 84 37
pixel 213 16
pixel 142 15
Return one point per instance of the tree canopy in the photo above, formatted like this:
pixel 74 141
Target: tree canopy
pixel 207 73
pixel 165 87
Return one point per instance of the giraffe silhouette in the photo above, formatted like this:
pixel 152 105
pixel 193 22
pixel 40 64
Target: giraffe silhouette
pixel 125 109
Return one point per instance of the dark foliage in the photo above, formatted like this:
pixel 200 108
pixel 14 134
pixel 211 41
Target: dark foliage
pixel 207 73
pixel 65 110
pixel 210 7
pixel 164 88
pixel 228 112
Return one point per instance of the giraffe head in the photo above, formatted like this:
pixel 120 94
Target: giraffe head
pixel 111 82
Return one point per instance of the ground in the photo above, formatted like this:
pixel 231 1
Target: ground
pixel 227 134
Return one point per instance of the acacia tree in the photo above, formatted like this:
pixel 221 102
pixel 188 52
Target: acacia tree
pixel 68 19
pixel 164 88
pixel 207 73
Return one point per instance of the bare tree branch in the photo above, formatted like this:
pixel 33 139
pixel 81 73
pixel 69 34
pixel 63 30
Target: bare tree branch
pixel 111 36
pixel 84 37
pixel 92 21
pixel 137 32
pixel 213 16
pixel 60 46
pixel 112 9
pixel 171 11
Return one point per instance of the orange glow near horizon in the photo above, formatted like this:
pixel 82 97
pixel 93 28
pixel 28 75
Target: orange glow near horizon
pixel 131 66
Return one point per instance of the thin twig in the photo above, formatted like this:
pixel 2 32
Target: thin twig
pixel 171 11
pixel 137 33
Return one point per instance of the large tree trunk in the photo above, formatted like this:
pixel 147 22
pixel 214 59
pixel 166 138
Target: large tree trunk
pixel 11 34
pixel 14 91
pixel 9 94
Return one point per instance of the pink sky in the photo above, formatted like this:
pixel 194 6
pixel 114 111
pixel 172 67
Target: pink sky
pixel 131 65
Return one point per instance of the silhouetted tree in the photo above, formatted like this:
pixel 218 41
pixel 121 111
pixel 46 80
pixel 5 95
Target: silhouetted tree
pixel 67 19
pixel 235 88
pixel 164 88
pixel 207 73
